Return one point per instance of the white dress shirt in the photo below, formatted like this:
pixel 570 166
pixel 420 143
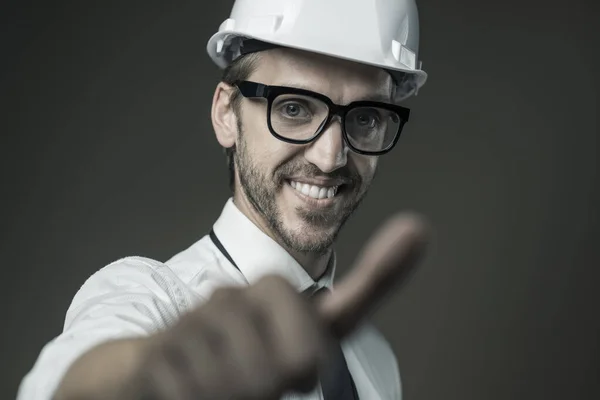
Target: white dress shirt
pixel 137 296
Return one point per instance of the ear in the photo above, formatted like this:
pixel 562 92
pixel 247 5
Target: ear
pixel 223 117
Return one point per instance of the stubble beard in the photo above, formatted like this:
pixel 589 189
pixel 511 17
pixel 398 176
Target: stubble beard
pixel 320 228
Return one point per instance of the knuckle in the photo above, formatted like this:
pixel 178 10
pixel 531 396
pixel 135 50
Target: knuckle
pixel 277 294
pixel 224 295
pixel 177 367
pixel 274 283
pixel 170 354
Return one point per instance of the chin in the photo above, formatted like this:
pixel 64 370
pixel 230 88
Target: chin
pixel 307 235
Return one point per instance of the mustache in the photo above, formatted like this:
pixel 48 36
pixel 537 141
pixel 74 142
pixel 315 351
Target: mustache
pixel 312 171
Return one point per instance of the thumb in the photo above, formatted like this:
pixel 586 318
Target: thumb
pixel 385 261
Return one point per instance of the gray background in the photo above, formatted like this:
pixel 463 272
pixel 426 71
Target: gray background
pixel 108 151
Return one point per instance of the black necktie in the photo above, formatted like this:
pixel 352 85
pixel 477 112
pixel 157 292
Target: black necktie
pixel 336 382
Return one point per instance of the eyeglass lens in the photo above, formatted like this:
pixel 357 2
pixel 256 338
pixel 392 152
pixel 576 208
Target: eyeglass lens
pixel 299 117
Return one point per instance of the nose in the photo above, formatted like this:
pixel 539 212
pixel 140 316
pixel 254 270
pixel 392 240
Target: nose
pixel 329 152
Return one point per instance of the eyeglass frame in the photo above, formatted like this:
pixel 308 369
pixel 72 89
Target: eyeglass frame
pixel 250 89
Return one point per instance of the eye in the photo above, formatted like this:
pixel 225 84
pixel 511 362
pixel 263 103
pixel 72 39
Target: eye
pixel 294 109
pixel 367 119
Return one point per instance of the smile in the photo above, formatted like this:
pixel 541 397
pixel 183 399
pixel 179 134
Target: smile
pixel 314 191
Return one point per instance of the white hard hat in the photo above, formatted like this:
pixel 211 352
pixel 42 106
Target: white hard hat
pixel 382 33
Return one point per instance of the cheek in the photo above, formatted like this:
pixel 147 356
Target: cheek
pixel 265 149
pixel 365 166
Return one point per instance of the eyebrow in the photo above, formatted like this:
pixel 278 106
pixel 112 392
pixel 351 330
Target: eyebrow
pixel 379 97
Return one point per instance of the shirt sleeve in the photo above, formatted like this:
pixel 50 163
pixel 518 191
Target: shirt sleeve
pixel 131 297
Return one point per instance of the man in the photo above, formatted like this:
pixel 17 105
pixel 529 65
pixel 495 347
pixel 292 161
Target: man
pixel 307 104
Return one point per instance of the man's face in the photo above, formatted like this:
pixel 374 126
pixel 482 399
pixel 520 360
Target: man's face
pixel 305 193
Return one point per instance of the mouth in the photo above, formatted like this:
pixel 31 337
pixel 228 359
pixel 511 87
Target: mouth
pixel 323 193
pixel 314 191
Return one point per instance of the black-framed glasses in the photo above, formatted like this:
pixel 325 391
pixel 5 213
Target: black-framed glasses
pixel 299 116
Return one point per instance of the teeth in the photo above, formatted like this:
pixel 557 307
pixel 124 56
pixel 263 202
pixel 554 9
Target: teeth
pixel 314 191
pixel 322 193
pixel 305 189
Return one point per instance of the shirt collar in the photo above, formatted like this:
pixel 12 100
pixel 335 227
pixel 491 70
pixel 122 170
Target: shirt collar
pixel 256 254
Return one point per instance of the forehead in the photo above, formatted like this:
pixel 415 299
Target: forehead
pixel 341 80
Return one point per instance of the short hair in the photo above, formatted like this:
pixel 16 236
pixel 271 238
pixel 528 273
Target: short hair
pixel 238 70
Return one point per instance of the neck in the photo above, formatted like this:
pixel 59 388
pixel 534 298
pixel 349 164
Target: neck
pixel 314 264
